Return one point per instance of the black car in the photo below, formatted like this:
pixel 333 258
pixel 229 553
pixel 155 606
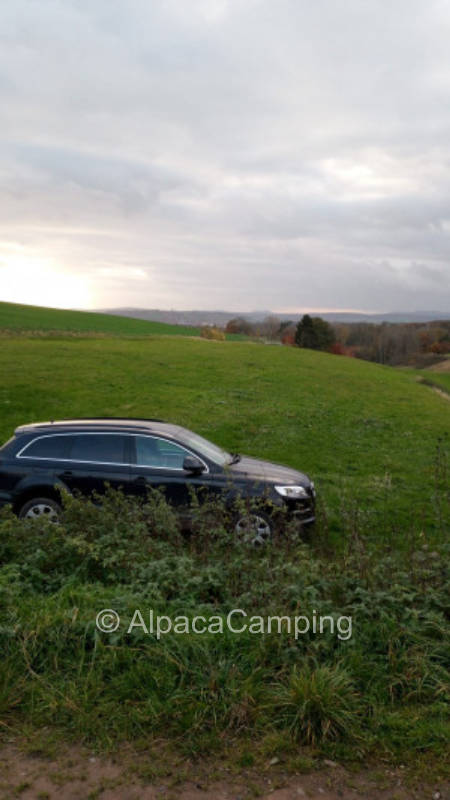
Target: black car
pixel 133 454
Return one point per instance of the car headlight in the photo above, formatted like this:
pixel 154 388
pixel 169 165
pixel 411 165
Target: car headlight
pixel 294 492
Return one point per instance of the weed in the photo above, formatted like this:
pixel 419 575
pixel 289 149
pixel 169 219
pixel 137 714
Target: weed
pixel 318 704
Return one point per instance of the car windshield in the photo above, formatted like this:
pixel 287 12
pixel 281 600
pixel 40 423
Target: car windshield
pixel 204 447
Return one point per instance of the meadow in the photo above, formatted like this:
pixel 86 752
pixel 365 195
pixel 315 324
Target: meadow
pixel 375 441
pixel 355 427
pixel 19 318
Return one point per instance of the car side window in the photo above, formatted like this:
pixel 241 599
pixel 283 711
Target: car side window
pixel 100 448
pixel 154 452
pixel 46 447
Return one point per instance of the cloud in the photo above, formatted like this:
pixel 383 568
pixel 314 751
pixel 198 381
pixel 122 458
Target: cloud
pixel 236 153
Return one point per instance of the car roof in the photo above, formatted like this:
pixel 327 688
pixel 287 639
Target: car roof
pixel 101 424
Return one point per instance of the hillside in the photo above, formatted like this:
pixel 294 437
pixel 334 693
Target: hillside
pixel 354 426
pixel 15 317
pixel 374 440
pixel 439 374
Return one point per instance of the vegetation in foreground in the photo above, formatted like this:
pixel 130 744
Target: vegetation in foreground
pixel 385 690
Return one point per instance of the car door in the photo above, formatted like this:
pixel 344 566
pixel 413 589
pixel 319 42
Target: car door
pixel 94 460
pixel 158 464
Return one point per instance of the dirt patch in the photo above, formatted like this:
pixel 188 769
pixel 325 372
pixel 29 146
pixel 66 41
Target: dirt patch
pixel 441 392
pixel 442 366
pixel 78 775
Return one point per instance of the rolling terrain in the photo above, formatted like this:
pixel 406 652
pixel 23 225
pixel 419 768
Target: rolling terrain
pixel 376 442
pixel 15 317
pixel 354 426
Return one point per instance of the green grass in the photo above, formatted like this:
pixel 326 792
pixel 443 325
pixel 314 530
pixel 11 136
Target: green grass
pixel 382 691
pixel 355 427
pixel 439 379
pixel 432 378
pixel 375 441
pixel 15 317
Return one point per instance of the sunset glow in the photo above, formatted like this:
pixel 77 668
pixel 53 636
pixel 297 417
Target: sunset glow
pixel 35 281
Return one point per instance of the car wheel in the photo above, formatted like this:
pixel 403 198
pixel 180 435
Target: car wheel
pixel 253 528
pixel 40 507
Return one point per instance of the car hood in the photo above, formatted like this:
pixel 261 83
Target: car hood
pixel 257 469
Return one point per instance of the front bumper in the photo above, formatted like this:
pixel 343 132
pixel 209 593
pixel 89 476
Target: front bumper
pixel 303 510
pixel 306 518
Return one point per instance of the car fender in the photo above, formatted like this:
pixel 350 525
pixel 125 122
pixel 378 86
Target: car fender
pixel 34 485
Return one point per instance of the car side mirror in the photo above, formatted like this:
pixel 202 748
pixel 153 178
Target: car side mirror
pixel 192 464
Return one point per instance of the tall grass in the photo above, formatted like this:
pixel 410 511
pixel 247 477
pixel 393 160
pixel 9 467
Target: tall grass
pixel 386 687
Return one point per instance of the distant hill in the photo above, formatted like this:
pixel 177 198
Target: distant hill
pixel 17 317
pixel 221 318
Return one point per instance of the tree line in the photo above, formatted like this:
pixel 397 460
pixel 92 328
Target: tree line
pixel 395 344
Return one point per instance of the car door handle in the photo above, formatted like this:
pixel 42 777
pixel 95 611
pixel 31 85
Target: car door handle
pixel 140 479
pixel 67 473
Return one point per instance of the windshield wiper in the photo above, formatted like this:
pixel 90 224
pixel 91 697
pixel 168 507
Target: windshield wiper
pixel 235 457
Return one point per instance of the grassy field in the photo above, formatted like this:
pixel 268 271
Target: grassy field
pixel 15 317
pixel 353 426
pixel 375 441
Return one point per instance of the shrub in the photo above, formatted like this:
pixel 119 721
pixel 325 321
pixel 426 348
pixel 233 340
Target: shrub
pixel 211 332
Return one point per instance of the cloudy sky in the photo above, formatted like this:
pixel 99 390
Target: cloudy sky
pixel 236 154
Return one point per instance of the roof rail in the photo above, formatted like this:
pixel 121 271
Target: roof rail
pixel 112 419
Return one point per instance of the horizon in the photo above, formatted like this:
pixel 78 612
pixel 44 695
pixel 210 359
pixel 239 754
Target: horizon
pixel 251 312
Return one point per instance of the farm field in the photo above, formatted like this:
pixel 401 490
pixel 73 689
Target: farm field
pixel 15 317
pixel 374 440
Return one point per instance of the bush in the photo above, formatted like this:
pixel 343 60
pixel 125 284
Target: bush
pixel 210 332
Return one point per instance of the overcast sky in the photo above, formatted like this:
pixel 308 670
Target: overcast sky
pixel 234 154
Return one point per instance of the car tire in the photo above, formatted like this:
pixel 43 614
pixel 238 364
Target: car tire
pixel 253 527
pixel 40 507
